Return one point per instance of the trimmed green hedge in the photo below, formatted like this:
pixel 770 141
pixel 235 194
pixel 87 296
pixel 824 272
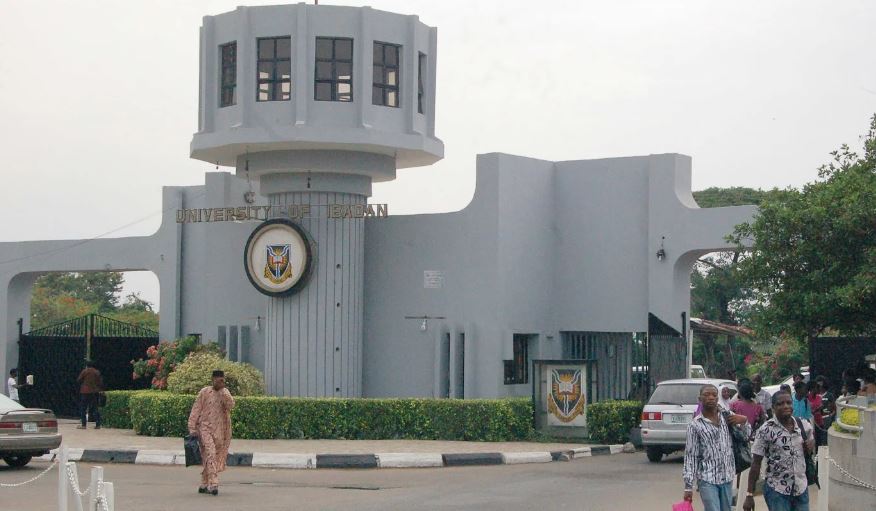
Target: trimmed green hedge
pixel 609 422
pixel 157 413
pixel 117 413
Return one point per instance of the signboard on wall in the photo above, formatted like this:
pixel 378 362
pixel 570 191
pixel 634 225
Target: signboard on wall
pixel 566 394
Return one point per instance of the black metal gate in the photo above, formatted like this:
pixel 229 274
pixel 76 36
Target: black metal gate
pixel 56 354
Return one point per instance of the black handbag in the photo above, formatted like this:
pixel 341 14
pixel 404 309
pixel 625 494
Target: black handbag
pixel 811 466
pixel 192 446
pixel 741 446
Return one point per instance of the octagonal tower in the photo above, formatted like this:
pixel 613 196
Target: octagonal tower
pixel 317 103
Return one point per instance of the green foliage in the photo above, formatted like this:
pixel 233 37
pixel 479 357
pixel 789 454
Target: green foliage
pixel 165 414
pixel 195 373
pixel 775 360
pixel 610 422
pixel 117 412
pixel 723 197
pixel 58 297
pixel 163 358
pixel 813 263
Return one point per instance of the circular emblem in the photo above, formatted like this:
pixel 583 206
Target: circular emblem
pixel 277 258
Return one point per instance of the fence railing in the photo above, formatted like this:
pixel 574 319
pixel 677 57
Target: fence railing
pixel 100 493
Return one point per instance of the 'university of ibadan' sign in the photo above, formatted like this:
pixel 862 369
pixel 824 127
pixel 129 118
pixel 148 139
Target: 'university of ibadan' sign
pixel 293 211
pixel 278 257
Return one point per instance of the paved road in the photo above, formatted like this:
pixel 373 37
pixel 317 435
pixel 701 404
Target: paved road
pixel 608 483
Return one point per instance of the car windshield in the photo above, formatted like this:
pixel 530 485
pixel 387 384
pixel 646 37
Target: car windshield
pixel 677 394
pixel 7 404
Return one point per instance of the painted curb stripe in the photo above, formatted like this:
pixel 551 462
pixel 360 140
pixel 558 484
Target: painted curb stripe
pixel 277 460
pixel 514 458
pixel 309 461
pixel 239 459
pixel 475 458
pixel 97 456
pixel 600 450
pixel 346 461
pixel 409 460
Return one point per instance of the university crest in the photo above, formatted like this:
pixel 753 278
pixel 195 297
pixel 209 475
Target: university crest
pixel 566 399
pixel 277 268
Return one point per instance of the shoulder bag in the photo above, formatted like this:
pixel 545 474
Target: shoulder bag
pixel 811 466
pixel 741 446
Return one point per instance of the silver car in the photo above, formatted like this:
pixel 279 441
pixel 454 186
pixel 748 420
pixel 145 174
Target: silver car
pixel 669 411
pixel 25 432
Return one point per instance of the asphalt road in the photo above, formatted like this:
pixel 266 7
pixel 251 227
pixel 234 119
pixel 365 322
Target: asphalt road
pixel 609 483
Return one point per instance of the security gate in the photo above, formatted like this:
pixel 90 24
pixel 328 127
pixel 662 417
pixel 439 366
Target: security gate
pixel 55 355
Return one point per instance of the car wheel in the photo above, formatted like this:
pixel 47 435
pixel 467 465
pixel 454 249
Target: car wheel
pixel 17 461
pixel 655 454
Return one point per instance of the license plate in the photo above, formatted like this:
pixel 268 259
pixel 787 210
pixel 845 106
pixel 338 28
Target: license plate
pixel 29 427
pixel 679 418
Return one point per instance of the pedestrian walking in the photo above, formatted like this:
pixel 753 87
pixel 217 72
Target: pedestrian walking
pixel 781 441
pixel 90 385
pixel 210 421
pixel 800 401
pixel 762 396
pixel 708 453
pixel 746 404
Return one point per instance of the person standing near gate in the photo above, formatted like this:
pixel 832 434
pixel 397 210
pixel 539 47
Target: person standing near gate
pixel 12 385
pixel 210 421
pixel 90 384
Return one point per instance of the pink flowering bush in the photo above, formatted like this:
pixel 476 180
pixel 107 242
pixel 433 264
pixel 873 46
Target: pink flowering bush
pixel 163 358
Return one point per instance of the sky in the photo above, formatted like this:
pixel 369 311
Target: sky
pixel 98 99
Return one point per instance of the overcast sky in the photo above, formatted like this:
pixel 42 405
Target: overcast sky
pixel 98 99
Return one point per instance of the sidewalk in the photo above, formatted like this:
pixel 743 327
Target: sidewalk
pixel 124 446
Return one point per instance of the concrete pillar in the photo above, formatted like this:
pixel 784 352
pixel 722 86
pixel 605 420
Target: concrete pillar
pixel 314 337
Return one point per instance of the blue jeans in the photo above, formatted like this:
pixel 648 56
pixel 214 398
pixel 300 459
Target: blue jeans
pixel 716 497
pixel 776 501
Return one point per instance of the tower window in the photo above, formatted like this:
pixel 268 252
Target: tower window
pixel 274 68
pixel 228 77
pixel 386 74
pixel 333 74
pixel 421 81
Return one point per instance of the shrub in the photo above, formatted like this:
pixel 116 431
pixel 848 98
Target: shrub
pixel 117 412
pixel 196 372
pixel 163 358
pixel 259 417
pixel 610 422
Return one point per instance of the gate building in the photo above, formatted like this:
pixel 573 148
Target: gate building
pixel 286 264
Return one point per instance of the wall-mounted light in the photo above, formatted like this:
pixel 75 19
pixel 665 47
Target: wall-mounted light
pixel 424 320
pixel 661 253
pixel 424 325
pixel 258 325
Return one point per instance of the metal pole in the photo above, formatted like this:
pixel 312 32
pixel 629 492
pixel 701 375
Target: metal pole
pixel 62 481
pixel 109 495
pixel 823 476
pixel 96 478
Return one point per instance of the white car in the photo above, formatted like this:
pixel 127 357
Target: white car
pixel 25 432
pixel 669 411
pixel 789 381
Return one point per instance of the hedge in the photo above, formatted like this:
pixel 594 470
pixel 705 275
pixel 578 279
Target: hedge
pixel 610 422
pixel 117 413
pixel 158 413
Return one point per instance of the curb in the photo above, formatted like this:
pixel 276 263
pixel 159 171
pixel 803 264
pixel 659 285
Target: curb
pixel 339 461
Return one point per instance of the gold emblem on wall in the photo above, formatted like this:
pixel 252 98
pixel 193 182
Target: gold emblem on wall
pixel 566 398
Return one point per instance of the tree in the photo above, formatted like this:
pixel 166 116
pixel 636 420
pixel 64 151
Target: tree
pixel 101 288
pixel 58 297
pixel 812 265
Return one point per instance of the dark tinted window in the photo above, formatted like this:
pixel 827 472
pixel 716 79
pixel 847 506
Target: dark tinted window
pixel 274 69
pixel 333 78
pixel 385 89
pixel 228 78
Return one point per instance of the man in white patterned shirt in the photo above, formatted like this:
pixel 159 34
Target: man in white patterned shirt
pixel 708 453
pixel 784 441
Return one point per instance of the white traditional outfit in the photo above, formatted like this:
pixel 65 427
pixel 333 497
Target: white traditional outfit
pixel 211 419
